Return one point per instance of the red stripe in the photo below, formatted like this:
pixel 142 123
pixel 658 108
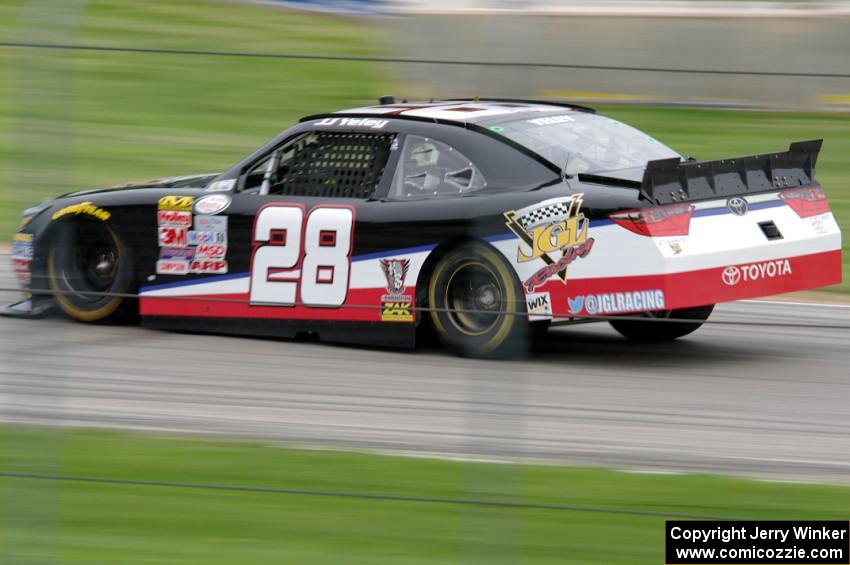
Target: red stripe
pixel 705 286
pixel 237 306
pixel 682 290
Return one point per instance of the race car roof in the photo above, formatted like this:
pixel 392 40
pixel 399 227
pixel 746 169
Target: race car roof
pixel 465 111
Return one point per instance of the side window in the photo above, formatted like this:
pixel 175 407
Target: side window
pixel 324 164
pixel 429 167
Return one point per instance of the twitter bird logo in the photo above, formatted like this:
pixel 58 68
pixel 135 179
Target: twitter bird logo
pixel 575 304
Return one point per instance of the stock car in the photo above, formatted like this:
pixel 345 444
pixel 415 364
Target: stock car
pixel 483 221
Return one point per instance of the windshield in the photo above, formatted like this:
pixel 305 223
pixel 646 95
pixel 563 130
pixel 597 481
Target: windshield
pixel 585 143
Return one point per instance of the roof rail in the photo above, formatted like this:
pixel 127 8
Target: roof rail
pixel 523 101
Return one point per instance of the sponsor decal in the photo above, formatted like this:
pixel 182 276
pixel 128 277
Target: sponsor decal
pixel 172 267
pixel 538 305
pixel 201 237
pixel 752 272
pixel 172 237
pixel 395 306
pixel 673 246
pixel 221 185
pixel 22 249
pixel 209 266
pixel 550 120
pixel 211 223
pixel 731 276
pixel 22 253
pixel 24 222
pixel 553 231
pixel 21 266
pixel 401 311
pixel 211 251
pixel 177 203
pixel 173 218
pixel 737 205
pixel 395 271
pixel 182 253
pixel 212 204
pixel 818 223
pixel 354 122
pixel 83 209
pixel 618 302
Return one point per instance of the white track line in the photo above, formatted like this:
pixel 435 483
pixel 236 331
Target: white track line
pixel 790 303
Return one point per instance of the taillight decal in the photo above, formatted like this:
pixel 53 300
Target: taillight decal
pixel 674 219
pixel 806 201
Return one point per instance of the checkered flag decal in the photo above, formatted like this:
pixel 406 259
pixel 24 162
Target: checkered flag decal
pixel 536 216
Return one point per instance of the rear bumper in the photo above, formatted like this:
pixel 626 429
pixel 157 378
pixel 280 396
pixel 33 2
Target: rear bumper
pixel 724 257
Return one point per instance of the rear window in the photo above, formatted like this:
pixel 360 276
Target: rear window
pixel 585 143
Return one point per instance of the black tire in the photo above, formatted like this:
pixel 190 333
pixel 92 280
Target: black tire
pixel 650 331
pixel 477 304
pixel 87 265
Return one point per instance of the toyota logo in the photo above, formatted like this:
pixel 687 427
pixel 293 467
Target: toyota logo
pixel 737 205
pixel 731 276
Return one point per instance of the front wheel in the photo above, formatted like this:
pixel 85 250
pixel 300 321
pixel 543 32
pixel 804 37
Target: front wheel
pixel 477 305
pixel 90 272
pixel 654 331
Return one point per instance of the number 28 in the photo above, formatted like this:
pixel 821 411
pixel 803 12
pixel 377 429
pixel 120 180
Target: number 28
pixel 293 253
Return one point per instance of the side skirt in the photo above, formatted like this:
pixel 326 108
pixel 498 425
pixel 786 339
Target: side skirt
pixel 401 336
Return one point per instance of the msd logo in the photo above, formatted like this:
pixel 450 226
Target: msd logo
pixel 735 274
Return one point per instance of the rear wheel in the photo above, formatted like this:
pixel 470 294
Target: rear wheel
pixel 477 305
pixel 87 266
pixel 649 330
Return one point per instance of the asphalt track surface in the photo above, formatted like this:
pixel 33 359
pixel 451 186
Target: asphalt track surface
pixel 765 400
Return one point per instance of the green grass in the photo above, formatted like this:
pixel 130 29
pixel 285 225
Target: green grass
pixel 87 523
pixel 71 119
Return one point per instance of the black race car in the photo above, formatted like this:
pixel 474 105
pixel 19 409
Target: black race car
pixel 479 218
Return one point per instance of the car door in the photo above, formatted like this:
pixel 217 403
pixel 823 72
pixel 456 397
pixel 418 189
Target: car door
pixel 294 226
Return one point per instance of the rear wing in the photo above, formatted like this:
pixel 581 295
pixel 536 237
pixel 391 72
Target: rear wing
pixel 666 181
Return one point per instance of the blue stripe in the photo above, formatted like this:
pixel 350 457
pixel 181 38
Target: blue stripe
pixel 217 278
pixel 402 251
pixel 408 250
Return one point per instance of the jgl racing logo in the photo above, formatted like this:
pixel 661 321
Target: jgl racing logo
pixel 554 231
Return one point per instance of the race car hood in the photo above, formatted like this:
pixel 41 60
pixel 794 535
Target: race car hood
pixel 193 181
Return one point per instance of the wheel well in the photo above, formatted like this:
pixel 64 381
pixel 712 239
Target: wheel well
pixel 58 229
pixel 424 277
pixel 42 247
pixel 431 261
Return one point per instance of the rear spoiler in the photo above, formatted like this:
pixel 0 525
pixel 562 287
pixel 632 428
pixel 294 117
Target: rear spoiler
pixel 666 181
